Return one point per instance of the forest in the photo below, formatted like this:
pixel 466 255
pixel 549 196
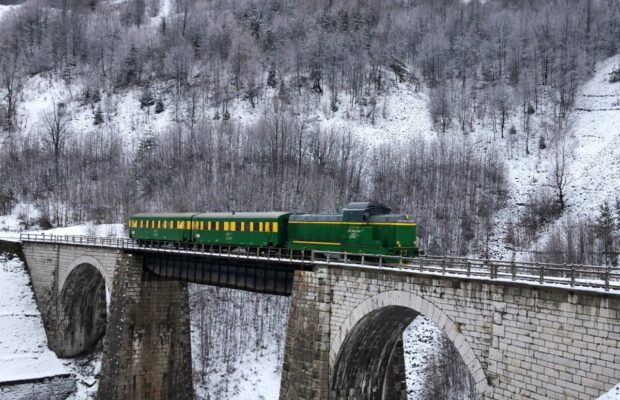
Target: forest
pixel 508 67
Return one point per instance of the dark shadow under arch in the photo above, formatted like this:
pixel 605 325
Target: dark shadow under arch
pixel 361 369
pixel 82 311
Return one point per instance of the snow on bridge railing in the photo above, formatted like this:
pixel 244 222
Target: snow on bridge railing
pixel 560 275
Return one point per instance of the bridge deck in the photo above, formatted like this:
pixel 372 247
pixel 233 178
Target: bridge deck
pixel 285 261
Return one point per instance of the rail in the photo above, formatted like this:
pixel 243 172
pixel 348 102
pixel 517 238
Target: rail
pixel 566 276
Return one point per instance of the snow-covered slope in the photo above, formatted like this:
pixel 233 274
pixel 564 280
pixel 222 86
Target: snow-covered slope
pixel 24 354
pixel 4 10
pixel 594 171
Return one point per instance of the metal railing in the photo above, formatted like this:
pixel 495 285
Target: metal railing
pixel 567 276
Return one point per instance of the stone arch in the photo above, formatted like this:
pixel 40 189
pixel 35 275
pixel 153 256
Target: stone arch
pixel 368 336
pixel 82 308
pixel 86 259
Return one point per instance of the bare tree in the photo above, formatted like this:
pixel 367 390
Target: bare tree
pixel 56 121
pixel 560 176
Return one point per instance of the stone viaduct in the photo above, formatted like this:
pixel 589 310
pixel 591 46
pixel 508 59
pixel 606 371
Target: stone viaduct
pixel 518 338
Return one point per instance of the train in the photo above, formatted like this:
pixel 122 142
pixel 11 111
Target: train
pixel 361 227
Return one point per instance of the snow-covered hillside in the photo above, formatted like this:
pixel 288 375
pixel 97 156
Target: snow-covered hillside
pixel 594 169
pixel 23 345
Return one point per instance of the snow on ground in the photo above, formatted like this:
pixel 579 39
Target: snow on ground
pixel 5 10
pixel 400 115
pixel 420 342
pixel 23 344
pixel 593 147
pixel 613 394
pixel 86 370
pixel 88 229
pixel 592 152
pixel 594 172
pixel 252 376
pixel 23 219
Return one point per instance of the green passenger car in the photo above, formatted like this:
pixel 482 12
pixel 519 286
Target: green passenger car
pixel 265 229
pixel 174 227
pixel 361 228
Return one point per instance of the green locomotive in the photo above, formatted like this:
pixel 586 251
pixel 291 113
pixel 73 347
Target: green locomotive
pixel 362 227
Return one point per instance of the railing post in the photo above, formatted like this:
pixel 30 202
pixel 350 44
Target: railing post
pixel 468 268
pixel 312 256
pixel 542 274
pixel 607 278
pixel 345 257
pixel 363 259
pixel 443 266
pixel 513 270
pixel 380 260
pixel 572 274
pixel 421 264
pixel 400 262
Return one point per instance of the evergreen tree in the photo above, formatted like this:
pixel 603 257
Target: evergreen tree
pixel 98 116
pixel 147 99
pixel 129 73
pixel 96 97
pixel 604 226
pixel 159 106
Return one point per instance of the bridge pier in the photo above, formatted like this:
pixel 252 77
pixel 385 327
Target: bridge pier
pixel 147 346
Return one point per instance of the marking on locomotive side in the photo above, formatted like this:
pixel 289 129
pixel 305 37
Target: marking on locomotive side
pixel 354 223
pixel 326 243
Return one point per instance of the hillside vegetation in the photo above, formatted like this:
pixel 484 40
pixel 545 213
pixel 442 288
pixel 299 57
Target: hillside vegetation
pixel 232 104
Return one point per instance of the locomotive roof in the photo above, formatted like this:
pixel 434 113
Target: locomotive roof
pixel 338 217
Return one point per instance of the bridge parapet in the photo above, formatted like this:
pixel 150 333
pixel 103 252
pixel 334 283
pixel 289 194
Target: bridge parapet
pixel 570 277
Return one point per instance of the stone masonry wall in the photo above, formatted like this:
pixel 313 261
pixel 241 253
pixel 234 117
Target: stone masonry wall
pixel 49 265
pixel 528 342
pixel 147 353
pixel 305 370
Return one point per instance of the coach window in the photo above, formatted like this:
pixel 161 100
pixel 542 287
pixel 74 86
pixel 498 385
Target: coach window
pixel 267 227
pixel 242 227
pixel 233 226
pixel 217 225
pixel 275 227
